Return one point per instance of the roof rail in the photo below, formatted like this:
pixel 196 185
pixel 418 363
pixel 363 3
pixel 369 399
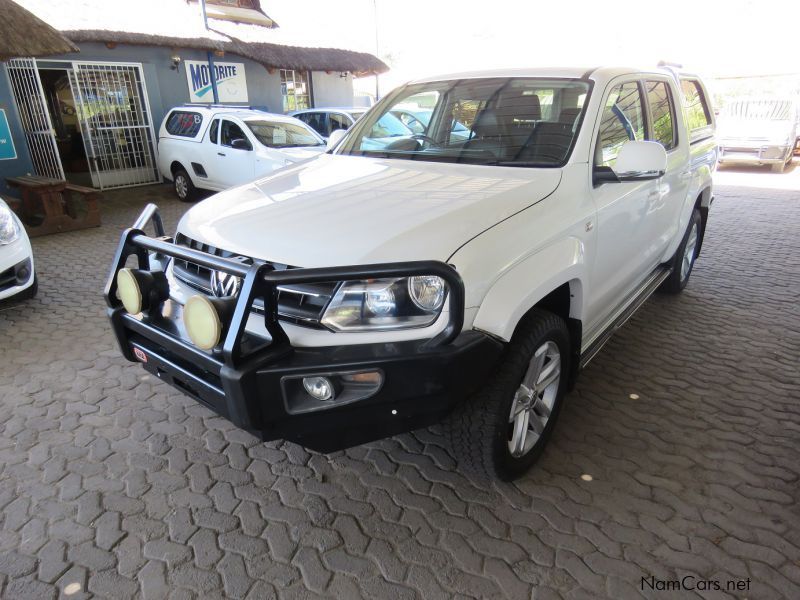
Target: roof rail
pixel 212 105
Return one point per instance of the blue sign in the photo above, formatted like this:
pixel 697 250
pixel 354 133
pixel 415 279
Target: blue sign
pixel 7 150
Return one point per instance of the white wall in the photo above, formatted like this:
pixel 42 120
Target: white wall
pixel 331 89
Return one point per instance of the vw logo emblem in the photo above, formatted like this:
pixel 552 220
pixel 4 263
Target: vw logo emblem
pixel 224 284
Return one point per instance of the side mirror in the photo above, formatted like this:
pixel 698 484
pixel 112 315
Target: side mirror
pixel 241 144
pixel 640 161
pixel 335 137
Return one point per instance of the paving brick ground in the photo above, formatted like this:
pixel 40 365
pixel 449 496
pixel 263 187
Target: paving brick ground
pixel 114 485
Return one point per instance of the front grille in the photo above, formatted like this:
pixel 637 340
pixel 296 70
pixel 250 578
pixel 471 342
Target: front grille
pixel 302 304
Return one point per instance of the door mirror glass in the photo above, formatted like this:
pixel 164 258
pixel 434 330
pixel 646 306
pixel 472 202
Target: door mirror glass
pixel 335 137
pixel 640 160
pixel 241 144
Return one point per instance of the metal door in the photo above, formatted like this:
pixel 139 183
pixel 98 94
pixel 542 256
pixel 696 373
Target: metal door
pixel 114 115
pixel 39 134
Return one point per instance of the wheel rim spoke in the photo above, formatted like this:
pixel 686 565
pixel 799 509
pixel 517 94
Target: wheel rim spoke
pixel 533 400
pixel 535 368
pixel 520 434
pixel 549 374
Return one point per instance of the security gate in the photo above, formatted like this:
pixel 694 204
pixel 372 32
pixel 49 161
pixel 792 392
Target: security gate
pixel 114 115
pixel 39 135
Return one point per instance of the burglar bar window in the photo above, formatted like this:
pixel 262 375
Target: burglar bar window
pixel 296 90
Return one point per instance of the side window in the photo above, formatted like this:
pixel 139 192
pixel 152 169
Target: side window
pixel 184 123
pixel 662 109
pixel 338 121
pixel 231 131
pixel 622 120
pixel 316 121
pixel 695 105
pixel 213 131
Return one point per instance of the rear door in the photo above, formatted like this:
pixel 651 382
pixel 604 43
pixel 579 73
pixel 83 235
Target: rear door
pixel 666 127
pixel 237 165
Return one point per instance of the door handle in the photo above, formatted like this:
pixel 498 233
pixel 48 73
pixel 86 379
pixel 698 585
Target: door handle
pixel 685 175
pixel 220 154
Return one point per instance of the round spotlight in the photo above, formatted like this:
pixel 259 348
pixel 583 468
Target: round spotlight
pixel 320 388
pixel 202 322
pixel 129 292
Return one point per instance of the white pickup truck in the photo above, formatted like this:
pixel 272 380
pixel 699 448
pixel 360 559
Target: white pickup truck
pixel 219 147
pixel 374 290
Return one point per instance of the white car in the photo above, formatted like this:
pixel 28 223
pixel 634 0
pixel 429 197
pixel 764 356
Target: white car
pixel 327 120
pixel 17 275
pixel 376 290
pixel 216 148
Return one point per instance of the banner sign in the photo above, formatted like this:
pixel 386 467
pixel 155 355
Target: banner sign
pixel 231 81
pixel 7 150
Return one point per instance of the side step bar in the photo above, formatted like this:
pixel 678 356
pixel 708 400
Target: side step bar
pixel 625 312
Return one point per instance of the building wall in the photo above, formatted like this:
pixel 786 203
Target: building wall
pixel 167 87
pixel 331 89
pixel 22 164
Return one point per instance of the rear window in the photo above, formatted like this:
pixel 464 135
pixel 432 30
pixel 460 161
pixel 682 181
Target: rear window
pixel 184 123
pixel 695 105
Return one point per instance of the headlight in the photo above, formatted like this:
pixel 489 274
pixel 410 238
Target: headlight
pixel 9 230
pixel 381 304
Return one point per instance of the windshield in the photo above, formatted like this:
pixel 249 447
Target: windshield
pixel 759 110
pixel 280 134
pixel 527 122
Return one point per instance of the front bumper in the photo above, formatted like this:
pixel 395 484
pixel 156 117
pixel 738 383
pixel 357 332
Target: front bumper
pixel 16 267
pixel 760 155
pixel 244 379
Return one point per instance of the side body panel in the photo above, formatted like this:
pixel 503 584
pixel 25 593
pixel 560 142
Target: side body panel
pixel 513 265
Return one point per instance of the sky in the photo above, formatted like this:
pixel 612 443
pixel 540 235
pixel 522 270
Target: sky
pixel 427 37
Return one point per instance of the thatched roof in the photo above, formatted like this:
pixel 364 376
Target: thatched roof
pixel 308 59
pixel 178 24
pixel 24 34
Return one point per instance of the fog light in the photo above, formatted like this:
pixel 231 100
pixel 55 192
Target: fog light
pixel 202 322
pixel 320 388
pixel 129 292
pixel 141 290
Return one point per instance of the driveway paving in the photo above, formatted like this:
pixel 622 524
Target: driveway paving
pixel 676 457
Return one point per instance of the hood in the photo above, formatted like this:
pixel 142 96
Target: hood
pixel 348 210
pixel 301 153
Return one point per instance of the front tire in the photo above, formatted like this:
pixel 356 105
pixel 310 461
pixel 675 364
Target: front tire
pixel 683 261
pixel 502 430
pixel 184 188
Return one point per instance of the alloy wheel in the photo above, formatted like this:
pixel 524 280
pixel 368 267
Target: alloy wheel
pixel 181 186
pixel 688 253
pixel 534 400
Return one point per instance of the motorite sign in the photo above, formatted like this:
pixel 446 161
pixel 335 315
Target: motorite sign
pixel 231 81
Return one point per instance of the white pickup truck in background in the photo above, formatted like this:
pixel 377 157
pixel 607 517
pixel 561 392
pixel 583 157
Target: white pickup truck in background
pixel 215 148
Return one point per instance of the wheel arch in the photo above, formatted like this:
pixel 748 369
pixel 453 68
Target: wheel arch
pixel 560 272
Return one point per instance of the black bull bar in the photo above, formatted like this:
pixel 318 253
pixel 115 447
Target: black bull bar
pixel 259 281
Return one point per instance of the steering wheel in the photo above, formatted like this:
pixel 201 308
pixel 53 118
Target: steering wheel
pixel 425 138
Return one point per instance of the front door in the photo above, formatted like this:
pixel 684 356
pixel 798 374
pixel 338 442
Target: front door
pixel 114 116
pixel 236 165
pixel 622 208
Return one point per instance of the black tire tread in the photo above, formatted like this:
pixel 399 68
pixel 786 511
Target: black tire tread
pixel 673 283
pixel 470 427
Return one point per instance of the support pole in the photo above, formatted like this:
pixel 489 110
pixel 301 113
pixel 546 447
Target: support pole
pixel 212 71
